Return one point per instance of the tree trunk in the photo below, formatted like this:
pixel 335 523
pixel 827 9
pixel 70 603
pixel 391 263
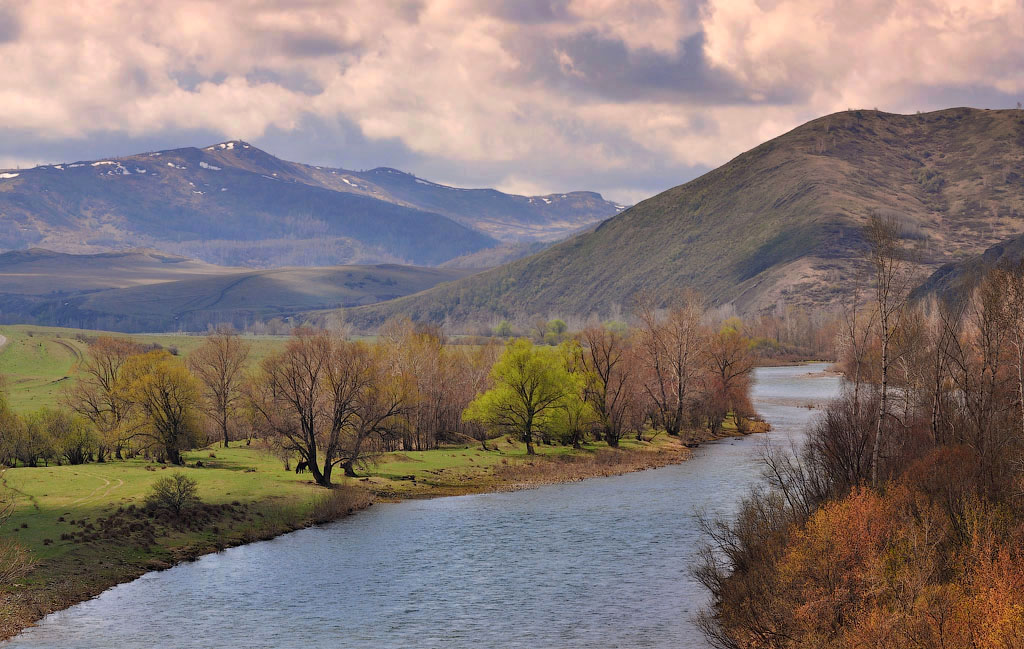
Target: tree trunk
pixel 349 469
pixel 322 478
pixel 882 407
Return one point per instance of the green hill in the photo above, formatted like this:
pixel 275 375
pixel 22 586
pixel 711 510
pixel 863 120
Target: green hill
pixel 778 224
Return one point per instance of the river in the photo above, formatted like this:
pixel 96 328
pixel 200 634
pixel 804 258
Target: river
pixel 599 563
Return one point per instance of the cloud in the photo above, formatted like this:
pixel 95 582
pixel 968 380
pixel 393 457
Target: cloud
pixel 620 97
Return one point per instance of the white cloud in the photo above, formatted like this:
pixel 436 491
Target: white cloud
pixel 453 82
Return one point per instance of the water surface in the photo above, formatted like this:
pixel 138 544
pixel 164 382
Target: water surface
pixel 598 563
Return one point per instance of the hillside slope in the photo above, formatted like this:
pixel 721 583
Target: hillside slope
pixel 778 224
pixel 232 203
pixel 38 271
pixel 148 291
pixel 957 279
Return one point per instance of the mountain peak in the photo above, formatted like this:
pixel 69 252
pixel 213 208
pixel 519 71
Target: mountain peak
pixel 228 145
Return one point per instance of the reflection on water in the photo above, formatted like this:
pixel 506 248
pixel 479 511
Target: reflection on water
pixel 599 563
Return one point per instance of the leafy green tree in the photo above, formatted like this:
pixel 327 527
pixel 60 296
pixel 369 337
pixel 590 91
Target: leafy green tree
pixel 504 329
pixel 168 398
pixel 530 385
pixel 73 439
pixel 575 415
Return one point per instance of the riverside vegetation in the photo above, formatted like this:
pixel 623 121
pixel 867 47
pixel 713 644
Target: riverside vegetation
pixel 900 522
pixel 246 438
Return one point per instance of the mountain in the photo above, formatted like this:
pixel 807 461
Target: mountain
pixel 492 257
pixel 957 279
pixel 505 217
pixel 233 204
pixel 144 290
pixel 780 223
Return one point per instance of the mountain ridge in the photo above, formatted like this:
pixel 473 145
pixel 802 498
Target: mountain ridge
pixel 232 203
pixel 777 226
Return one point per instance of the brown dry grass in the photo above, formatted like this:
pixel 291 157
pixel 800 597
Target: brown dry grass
pixel 571 468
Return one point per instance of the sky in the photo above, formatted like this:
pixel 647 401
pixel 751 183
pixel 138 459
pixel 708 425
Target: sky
pixel 627 98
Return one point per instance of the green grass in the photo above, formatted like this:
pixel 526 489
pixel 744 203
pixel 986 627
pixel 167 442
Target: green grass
pixel 264 499
pixel 38 363
pixel 44 494
pixel 247 474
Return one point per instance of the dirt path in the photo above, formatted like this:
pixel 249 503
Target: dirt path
pixel 3 341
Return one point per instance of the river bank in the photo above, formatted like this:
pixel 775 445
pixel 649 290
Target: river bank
pixel 494 569
pixel 84 525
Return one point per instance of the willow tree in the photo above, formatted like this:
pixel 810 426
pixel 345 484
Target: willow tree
pixel 530 386
pixel 167 397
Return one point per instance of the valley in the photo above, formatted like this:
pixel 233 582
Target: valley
pixel 149 291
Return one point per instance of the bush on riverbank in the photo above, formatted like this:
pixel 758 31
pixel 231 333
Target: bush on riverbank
pixel 176 494
pixel 338 502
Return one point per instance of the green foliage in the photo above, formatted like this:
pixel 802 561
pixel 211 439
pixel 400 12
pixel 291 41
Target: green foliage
pixel 176 494
pixel 617 327
pixel 575 415
pixel 74 438
pixel 31 442
pixel 930 180
pixel 530 385
pixel 504 329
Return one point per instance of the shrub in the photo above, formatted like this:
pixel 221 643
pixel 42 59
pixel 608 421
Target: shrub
pixel 15 562
pixel 338 502
pixel 176 494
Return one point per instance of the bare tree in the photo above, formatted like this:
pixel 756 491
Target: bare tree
pixel 102 396
pixel 731 360
pixel 670 349
pixel 1014 293
pixel 858 325
pixel 324 397
pixel 606 359
pixel 219 364
pixel 893 277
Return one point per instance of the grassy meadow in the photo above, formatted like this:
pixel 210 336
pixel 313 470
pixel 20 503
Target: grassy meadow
pixel 39 362
pixel 86 530
pixel 86 527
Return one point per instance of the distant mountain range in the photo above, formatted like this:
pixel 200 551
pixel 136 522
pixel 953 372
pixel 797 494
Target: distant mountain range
pixel 778 225
pixel 233 204
pixel 147 290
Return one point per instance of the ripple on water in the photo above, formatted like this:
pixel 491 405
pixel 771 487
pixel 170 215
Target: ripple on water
pixel 598 563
